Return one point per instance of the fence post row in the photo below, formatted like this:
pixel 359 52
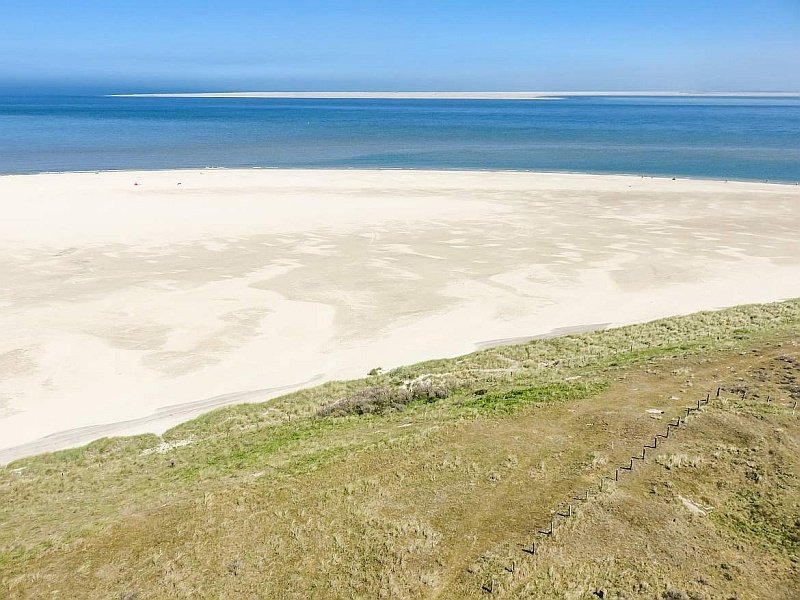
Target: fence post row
pixel 533 549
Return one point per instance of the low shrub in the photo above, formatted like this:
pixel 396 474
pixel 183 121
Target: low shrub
pixel 381 399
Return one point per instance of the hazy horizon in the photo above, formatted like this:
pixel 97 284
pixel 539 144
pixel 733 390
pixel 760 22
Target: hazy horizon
pixel 51 47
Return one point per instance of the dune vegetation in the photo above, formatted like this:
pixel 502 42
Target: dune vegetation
pixel 547 469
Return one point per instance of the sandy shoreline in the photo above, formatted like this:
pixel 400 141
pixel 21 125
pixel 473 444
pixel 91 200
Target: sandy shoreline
pixel 126 294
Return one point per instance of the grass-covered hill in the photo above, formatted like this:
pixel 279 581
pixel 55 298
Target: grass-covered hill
pixel 434 480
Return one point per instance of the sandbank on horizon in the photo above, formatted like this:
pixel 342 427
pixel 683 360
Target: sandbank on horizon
pixel 145 298
pixel 431 95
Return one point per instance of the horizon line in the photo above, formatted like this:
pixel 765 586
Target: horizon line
pixel 449 95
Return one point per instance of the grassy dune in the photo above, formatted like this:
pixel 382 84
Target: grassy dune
pixel 429 481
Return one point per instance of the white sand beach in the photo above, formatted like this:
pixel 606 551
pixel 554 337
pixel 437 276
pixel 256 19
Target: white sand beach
pixel 144 298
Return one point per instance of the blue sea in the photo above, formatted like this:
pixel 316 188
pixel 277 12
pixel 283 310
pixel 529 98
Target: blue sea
pixel 722 138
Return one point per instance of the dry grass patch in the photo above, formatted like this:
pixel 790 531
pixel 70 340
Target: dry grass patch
pixel 406 494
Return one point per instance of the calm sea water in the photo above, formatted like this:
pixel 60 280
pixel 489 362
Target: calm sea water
pixel 730 138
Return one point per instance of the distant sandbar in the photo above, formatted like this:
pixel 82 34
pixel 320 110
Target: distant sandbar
pixel 354 95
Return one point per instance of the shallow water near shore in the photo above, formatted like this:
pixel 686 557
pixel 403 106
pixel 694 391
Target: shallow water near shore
pixel 747 138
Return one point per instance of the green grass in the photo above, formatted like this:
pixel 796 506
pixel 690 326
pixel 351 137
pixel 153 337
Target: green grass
pixel 513 400
pixel 760 516
pixel 252 450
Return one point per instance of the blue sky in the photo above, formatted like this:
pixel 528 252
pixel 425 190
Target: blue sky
pixel 181 45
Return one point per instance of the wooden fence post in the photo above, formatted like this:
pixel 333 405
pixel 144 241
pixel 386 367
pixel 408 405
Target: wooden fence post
pixel 490 586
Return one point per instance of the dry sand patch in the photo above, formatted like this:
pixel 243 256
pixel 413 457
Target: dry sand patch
pixel 128 298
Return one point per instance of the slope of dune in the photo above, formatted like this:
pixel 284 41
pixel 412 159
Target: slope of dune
pixel 650 461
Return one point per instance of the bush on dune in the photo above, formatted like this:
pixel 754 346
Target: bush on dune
pixel 380 399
